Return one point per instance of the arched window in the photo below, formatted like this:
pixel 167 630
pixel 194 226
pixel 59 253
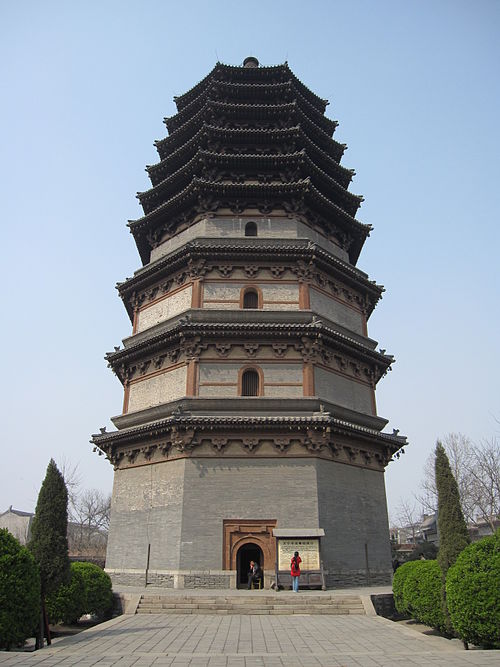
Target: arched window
pixel 250 383
pixel 250 299
pixel 250 229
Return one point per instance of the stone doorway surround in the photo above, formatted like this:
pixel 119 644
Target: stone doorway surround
pixel 238 532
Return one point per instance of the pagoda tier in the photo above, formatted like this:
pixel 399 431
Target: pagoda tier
pixel 215 141
pixel 259 141
pixel 257 168
pixel 249 377
pixel 182 337
pixel 222 73
pixel 242 93
pixel 271 258
pixel 252 116
pixel 298 199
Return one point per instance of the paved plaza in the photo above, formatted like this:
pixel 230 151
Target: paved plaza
pixel 251 641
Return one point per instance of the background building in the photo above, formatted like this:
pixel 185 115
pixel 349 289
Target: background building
pixel 18 523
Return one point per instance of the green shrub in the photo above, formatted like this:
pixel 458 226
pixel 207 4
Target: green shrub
pixel 19 592
pixel 66 605
pixel 422 593
pixel 473 592
pixel 98 599
pixel 398 584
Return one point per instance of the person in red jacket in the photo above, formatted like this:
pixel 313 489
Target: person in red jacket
pixel 295 571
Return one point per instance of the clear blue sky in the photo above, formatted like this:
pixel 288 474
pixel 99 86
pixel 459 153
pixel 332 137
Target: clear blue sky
pixel 85 86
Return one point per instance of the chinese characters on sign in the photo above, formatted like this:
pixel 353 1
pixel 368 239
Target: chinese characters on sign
pixel 308 549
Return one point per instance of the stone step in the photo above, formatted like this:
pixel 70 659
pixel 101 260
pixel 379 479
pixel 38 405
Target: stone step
pixel 221 605
pixel 346 601
pixel 254 612
pixel 253 605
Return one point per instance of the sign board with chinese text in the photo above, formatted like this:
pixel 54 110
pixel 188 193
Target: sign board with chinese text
pixel 307 541
pixel 308 549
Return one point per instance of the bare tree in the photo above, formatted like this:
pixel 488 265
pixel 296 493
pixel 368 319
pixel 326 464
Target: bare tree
pixel 90 523
pixel 88 512
pixel 485 481
pixel 408 520
pixel 72 479
pixel 476 469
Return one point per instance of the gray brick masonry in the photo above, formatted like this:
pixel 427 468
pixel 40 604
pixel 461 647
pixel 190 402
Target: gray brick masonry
pixel 178 508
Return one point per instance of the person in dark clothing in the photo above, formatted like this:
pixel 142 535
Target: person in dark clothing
pixel 254 574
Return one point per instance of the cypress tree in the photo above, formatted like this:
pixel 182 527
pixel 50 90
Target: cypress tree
pixel 453 535
pixel 452 529
pixel 49 542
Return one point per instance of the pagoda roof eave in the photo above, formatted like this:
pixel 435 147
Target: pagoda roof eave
pixel 201 197
pixel 191 326
pixel 105 441
pixel 217 134
pixel 177 120
pixel 194 91
pixel 246 110
pixel 260 72
pixel 250 191
pixel 277 161
pixel 324 141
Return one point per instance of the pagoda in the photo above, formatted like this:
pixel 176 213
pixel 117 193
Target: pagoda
pixel 249 376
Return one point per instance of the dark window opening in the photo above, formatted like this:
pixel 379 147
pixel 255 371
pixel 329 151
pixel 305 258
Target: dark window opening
pixel 250 299
pixel 250 229
pixel 250 383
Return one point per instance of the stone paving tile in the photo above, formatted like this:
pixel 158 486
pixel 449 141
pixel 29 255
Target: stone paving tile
pixel 251 641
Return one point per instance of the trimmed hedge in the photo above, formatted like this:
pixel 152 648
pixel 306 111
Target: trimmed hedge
pixel 417 592
pixel 422 594
pixel 98 598
pixel 398 583
pixel 67 603
pixel 473 592
pixel 19 592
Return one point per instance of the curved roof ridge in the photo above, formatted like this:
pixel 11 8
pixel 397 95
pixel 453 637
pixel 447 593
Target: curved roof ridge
pixel 179 99
pixel 361 225
pixel 178 151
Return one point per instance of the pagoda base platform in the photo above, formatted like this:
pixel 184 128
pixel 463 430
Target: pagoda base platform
pixel 194 522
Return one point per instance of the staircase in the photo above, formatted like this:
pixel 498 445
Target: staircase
pixel 278 603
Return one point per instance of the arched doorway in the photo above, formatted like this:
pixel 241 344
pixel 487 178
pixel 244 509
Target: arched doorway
pixel 246 553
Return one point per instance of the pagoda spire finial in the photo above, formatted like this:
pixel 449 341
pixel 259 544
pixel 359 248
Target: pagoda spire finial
pixel 250 61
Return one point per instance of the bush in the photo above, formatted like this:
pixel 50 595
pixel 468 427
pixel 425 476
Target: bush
pixel 422 593
pixel 19 592
pixel 67 603
pixel 398 584
pixel 98 598
pixel 473 592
